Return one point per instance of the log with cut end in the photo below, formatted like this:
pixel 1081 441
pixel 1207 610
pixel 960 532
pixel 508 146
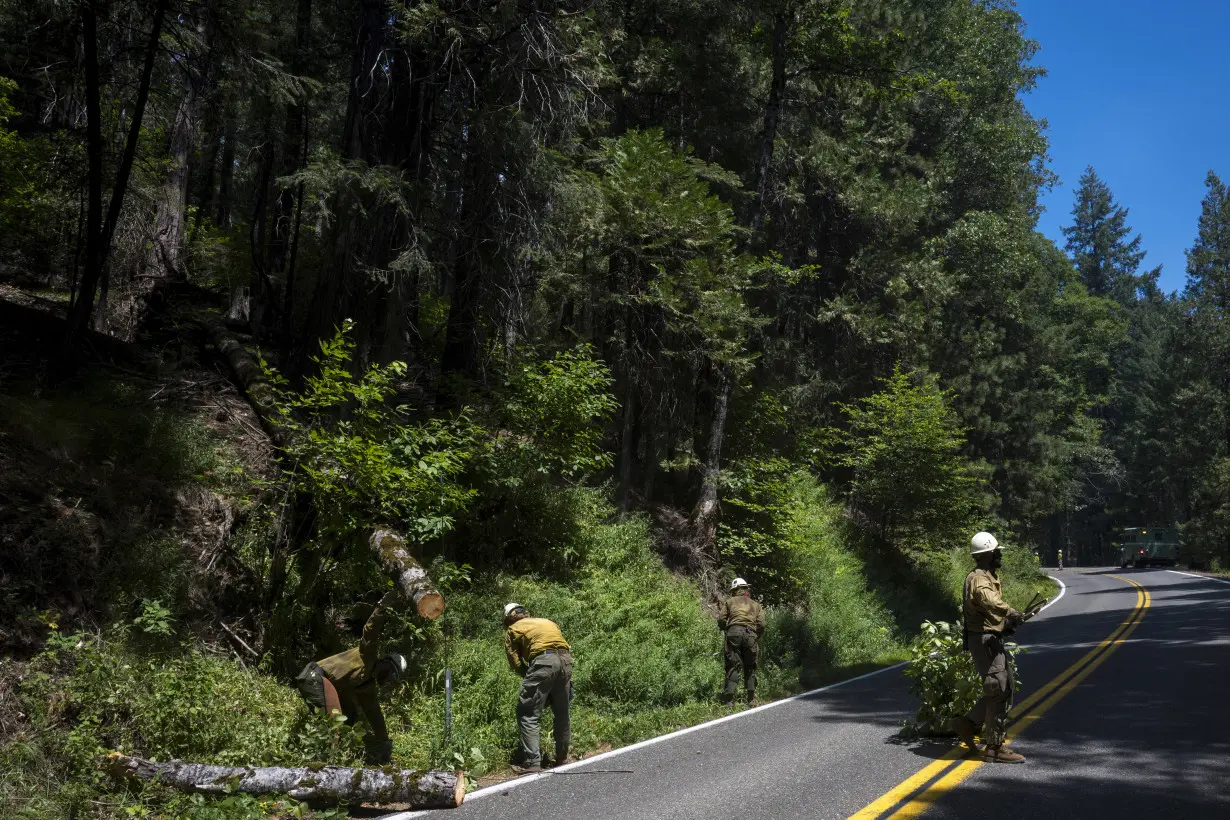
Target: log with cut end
pixel 410 578
pixel 317 784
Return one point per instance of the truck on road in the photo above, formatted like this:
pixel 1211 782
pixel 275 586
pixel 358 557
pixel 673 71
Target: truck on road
pixel 1148 547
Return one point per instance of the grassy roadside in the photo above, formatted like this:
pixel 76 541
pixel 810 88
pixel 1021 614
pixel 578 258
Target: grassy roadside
pixel 134 660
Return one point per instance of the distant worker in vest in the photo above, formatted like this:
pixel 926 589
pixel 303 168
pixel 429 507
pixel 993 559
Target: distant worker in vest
pixel 538 652
pixel 741 619
pixel 349 682
pixel 1060 559
pixel 986 617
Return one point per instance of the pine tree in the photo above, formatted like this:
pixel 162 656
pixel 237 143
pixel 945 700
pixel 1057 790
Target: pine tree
pixel 1208 346
pixel 1098 242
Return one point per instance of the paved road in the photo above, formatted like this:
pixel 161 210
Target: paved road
pixel 1145 734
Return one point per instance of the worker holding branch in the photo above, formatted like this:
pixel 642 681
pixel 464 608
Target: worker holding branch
pixel 348 683
pixel 988 619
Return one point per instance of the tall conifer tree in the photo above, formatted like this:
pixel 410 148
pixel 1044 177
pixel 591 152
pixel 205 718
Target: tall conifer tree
pixel 1099 243
pixel 1208 348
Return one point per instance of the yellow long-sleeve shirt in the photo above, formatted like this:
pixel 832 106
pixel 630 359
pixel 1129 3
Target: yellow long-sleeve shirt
pixel 983 602
pixel 527 638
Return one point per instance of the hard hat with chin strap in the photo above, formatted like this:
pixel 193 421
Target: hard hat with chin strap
pixel 511 608
pixel 398 662
pixel 983 542
pixel 738 583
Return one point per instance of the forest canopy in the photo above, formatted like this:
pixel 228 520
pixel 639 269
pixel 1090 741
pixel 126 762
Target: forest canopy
pixel 528 280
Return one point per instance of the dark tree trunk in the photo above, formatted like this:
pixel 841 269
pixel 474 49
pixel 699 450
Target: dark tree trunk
pixel 226 176
pixel 95 276
pixel 166 250
pixel 389 123
pixel 772 118
pixel 94 152
pixel 708 510
pixel 261 297
pixel 460 356
pixel 627 448
pixel 293 139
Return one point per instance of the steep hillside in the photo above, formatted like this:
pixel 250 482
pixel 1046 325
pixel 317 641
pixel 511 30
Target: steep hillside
pixel 133 567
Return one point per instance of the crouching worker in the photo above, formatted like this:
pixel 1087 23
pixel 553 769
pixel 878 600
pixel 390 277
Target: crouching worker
pixel 538 652
pixel 348 683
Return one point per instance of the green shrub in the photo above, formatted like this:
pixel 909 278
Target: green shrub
pixel 364 462
pixel 943 677
pixel 84 697
pixel 838 624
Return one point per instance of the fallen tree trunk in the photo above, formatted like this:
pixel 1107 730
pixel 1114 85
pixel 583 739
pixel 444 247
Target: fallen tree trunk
pixel 249 374
pixel 323 784
pixel 409 576
pixel 390 548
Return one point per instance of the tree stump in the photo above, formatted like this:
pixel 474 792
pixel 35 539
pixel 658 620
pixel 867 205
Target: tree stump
pixel 318 784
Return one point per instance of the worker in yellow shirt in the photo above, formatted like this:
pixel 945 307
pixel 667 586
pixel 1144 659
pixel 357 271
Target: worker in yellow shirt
pixel 538 652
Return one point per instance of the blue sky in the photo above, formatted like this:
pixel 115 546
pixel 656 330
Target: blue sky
pixel 1139 89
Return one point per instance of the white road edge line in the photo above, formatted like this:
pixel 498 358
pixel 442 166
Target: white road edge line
pixel 1204 577
pixel 513 784
pixel 1063 589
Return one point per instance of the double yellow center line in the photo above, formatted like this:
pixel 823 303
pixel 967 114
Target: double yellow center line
pixel 913 796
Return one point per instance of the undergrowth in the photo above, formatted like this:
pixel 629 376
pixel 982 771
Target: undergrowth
pixel 142 676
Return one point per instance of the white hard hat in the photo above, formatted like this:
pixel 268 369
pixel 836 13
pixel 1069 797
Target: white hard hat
pixel 982 542
pixel 738 582
pixel 399 664
pixel 508 608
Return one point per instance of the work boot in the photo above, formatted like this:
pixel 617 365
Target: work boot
pixel 527 769
pixel 965 728
pixel 751 699
pixel 1001 754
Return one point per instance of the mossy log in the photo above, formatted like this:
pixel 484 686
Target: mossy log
pixel 410 577
pixel 249 374
pixel 316 784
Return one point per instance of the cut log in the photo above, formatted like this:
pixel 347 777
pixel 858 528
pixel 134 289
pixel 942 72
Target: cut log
pixel 317 784
pixel 409 576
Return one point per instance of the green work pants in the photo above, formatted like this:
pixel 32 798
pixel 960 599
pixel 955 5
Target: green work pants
pixel 548 680
pixel 998 685
pixel 742 653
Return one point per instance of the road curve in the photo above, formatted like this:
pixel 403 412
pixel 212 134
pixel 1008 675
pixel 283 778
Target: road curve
pixel 1144 734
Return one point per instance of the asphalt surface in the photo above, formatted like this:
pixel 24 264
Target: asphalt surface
pixel 1145 735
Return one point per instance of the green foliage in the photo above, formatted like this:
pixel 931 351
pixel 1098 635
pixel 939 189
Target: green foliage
pixel 1098 242
pixel 911 482
pixel 32 210
pixel 364 461
pixel 556 409
pixel 943 678
pixel 670 243
pixel 155 619
pixel 842 624
pixel 85 697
